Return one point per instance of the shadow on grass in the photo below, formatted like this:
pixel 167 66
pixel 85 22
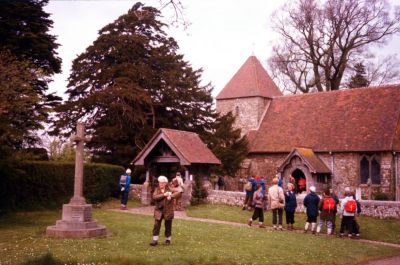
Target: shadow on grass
pixel 43 260
pixel 48 259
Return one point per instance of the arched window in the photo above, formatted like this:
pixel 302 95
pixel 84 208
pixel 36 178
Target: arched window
pixel 375 171
pixel 364 170
pixel 370 169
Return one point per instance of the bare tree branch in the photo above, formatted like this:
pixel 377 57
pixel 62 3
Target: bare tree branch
pixel 319 39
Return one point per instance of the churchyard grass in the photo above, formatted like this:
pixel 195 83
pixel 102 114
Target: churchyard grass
pixel 22 241
pixel 387 230
pixel 114 203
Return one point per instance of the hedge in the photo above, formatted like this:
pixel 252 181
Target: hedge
pixel 42 184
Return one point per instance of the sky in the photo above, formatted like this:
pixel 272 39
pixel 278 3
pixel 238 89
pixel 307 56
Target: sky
pixel 222 34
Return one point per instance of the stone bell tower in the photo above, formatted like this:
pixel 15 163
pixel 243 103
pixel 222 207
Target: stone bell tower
pixel 247 95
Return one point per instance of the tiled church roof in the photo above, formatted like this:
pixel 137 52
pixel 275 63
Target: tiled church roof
pixel 363 119
pixel 249 81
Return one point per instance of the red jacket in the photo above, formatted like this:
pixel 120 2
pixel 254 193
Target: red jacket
pixel 302 183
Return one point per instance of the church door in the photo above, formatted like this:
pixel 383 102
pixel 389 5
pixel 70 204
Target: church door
pixel 300 180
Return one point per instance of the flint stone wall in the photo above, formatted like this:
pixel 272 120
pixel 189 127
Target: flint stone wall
pixel 380 209
pixel 247 111
pixel 234 198
pixel 135 191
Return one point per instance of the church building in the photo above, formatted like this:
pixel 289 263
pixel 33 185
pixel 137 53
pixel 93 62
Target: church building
pixel 349 137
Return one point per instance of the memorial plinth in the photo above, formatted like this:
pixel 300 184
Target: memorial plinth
pixel 77 219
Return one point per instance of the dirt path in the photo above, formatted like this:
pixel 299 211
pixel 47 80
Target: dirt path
pixel 389 261
pixel 149 210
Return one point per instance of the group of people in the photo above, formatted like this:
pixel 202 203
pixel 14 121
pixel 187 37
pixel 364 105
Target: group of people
pixel 326 207
pixel 166 198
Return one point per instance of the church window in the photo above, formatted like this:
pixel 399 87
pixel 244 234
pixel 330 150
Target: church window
pixel 322 179
pixel 364 170
pixel 375 171
pixel 370 169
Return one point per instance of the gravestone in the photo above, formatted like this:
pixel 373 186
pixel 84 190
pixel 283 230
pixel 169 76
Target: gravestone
pixel 77 219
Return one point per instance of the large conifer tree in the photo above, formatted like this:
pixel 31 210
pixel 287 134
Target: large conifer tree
pixel 28 58
pixel 130 82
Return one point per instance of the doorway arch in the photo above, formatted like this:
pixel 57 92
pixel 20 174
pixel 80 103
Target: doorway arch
pixel 304 162
pixel 300 180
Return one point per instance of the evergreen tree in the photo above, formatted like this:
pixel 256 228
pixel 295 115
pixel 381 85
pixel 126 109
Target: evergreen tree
pixel 130 82
pixel 227 144
pixel 359 79
pixel 27 60
pixel 22 107
pixel 24 31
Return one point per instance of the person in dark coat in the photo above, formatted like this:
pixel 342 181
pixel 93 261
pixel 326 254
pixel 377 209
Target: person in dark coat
pixel 221 183
pixel 311 202
pixel 164 209
pixel 290 205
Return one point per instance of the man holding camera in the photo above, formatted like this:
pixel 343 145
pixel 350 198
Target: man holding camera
pixel 164 209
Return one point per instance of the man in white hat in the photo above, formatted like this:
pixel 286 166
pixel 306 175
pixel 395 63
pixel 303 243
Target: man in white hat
pixel 311 202
pixel 124 185
pixel 164 209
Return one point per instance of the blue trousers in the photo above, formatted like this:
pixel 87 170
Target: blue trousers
pixel 124 197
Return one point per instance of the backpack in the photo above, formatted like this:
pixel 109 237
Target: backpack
pixel 328 204
pixel 351 206
pixel 248 186
pixel 122 180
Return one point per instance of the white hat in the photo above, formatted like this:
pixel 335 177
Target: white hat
pixel 312 188
pixel 347 189
pixel 128 171
pixel 162 179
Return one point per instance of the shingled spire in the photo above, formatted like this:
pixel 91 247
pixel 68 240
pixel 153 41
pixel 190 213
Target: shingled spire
pixel 250 81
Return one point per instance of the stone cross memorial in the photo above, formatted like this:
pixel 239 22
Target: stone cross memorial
pixel 77 219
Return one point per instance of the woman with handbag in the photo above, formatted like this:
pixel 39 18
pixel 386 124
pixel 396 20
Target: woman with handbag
pixel 276 200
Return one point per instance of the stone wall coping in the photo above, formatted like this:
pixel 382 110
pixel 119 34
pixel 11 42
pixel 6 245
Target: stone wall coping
pixel 299 198
pixel 379 203
pixel 227 193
